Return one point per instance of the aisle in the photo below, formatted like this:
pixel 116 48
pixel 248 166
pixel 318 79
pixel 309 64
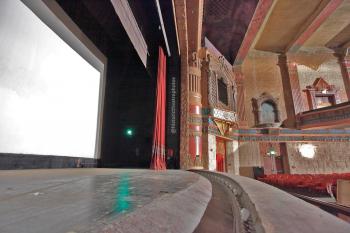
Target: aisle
pixel 218 216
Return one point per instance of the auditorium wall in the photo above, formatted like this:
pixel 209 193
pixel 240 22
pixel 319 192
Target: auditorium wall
pixel 329 157
pixel 262 74
pixel 249 154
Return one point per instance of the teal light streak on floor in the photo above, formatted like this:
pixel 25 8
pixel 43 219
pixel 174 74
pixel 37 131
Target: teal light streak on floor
pixel 122 200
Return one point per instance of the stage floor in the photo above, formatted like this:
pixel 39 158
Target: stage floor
pixel 79 200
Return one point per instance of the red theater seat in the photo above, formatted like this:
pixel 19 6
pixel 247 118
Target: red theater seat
pixel 315 183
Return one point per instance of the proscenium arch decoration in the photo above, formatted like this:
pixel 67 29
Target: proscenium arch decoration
pixel 266 111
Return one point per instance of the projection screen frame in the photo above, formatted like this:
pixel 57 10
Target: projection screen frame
pixel 52 15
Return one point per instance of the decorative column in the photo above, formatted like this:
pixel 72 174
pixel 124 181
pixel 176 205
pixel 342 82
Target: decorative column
pixel 291 89
pixel 195 113
pixel 239 79
pixel 344 62
pixel 184 113
pixel 204 56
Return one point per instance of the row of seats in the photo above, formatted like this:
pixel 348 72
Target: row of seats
pixel 317 183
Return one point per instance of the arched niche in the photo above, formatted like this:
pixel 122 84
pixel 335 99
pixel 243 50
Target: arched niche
pixel 266 111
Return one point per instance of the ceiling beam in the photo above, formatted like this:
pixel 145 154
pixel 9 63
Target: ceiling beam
pixel 341 40
pixel 194 24
pixel 181 25
pixel 127 18
pixel 261 14
pixel 313 26
pixel 160 15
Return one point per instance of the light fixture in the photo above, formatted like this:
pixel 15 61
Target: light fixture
pixel 307 150
pixel 273 154
pixel 271 151
pixel 129 132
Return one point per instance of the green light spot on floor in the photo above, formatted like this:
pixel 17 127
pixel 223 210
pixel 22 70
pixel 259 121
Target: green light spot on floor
pixel 122 201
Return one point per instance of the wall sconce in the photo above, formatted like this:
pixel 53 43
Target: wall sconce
pixel 271 152
pixel 307 150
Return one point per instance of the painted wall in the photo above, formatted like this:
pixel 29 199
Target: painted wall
pixel 232 153
pixel 330 157
pixel 48 93
pixel 262 75
pixel 249 154
pixel 211 152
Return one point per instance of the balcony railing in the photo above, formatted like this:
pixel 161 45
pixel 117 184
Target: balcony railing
pixel 329 117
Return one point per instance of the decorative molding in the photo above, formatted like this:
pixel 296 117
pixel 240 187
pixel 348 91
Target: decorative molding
pixel 222 126
pixel 224 115
pixel 293 135
pixel 220 114
pixel 302 137
pixel 282 135
pixel 324 132
pixel 294 139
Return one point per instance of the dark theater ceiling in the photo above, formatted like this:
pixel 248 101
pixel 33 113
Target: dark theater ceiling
pixel 225 23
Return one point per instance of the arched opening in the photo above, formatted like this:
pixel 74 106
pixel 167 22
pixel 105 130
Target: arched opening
pixel 268 113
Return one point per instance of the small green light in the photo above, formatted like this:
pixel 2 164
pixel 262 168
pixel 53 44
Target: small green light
pixel 129 132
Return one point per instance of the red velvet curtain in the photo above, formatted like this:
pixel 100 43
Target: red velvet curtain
pixel 158 149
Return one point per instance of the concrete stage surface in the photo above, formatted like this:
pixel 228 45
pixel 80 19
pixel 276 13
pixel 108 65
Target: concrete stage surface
pixel 101 200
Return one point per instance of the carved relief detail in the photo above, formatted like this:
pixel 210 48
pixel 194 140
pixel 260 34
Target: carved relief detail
pixel 218 69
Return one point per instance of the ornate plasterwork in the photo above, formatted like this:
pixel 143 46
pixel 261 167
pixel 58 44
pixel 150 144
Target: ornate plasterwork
pixel 224 115
pixel 257 103
pixel 223 127
pixel 219 69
